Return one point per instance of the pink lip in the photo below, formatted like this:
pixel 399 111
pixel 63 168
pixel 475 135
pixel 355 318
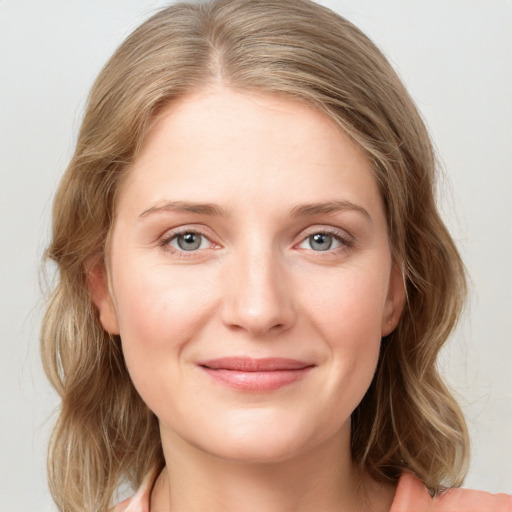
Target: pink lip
pixel 249 374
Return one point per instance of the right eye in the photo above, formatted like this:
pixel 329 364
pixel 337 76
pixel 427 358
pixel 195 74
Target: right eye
pixel 187 241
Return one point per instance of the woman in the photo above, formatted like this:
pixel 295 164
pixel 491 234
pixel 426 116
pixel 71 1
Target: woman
pixel 254 279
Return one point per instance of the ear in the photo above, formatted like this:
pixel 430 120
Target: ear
pixel 97 282
pixel 395 301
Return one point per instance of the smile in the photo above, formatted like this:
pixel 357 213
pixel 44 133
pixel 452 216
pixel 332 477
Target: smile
pixel 248 374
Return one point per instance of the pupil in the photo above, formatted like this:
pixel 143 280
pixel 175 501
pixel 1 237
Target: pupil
pixel 321 241
pixel 189 241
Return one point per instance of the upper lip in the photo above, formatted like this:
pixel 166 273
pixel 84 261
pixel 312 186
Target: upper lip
pixel 249 364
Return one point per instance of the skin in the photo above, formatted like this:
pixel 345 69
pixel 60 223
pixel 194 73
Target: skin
pixel 257 287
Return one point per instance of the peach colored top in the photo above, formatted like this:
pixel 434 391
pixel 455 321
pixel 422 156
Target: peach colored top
pixel 411 496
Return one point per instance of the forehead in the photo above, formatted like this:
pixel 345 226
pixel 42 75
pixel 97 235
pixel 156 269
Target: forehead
pixel 221 145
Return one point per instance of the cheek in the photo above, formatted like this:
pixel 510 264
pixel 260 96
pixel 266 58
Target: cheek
pixel 158 305
pixel 348 305
pixel 159 312
pixel 347 310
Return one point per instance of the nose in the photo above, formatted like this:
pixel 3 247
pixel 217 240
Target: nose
pixel 258 297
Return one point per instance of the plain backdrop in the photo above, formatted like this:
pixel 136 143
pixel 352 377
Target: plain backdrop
pixel 455 56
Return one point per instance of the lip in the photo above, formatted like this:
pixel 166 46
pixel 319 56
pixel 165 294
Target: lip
pixel 249 374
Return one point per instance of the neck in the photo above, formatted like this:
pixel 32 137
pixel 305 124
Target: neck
pixel 324 478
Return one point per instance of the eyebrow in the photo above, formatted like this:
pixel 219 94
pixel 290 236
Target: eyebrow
pixel 301 210
pixel 306 210
pixel 185 207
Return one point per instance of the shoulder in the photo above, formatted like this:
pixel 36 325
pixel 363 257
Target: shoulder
pixel 139 502
pixel 136 503
pixel 412 496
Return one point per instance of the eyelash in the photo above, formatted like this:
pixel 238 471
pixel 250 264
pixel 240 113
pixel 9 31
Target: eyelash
pixel 346 241
pixel 166 240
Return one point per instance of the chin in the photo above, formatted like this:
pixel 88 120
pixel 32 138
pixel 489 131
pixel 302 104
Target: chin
pixel 261 437
pixel 268 451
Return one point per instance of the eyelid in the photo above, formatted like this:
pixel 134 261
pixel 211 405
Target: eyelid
pixel 344 237
pixel 171 234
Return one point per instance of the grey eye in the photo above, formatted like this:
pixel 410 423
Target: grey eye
pixel 189 241
pixel 320 241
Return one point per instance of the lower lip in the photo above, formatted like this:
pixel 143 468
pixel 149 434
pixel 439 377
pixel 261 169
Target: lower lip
pixel 257 381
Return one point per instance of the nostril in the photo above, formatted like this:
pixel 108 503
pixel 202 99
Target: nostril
pixel 255 298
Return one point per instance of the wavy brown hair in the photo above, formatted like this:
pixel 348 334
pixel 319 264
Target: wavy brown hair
pixel 105 434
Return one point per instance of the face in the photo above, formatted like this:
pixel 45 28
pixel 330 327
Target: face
pixel 250 276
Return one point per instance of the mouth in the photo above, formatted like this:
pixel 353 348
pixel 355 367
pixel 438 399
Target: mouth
pixel 248 374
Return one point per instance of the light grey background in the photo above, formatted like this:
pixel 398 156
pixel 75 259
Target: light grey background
pixel 456 58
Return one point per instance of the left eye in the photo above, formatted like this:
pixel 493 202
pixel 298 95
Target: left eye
pixel 321 242
pixel 189 241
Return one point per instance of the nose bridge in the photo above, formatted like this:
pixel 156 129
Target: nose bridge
pixel 258 297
